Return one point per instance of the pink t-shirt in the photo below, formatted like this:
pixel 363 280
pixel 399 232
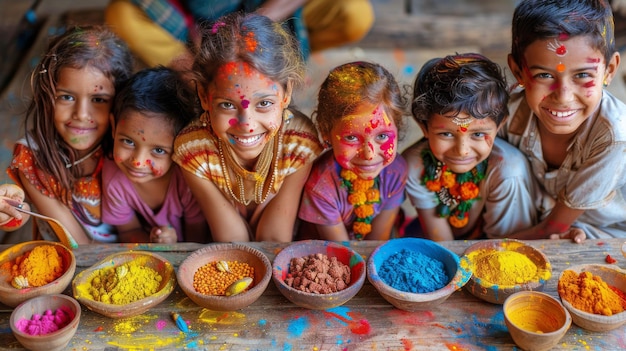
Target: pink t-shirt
pixel 120 202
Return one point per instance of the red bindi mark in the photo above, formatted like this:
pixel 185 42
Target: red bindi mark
pixel 245 103
pixel 560 67
pixel 463 129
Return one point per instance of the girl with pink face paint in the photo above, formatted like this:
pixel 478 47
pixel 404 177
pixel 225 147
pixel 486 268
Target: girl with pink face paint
pixel 463 181
pixel 247 157
pixel 571 129
pixel 355 190
pixel 145 195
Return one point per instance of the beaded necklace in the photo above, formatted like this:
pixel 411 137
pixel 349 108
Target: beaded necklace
pixel 262 185
pixel 455 192
pixel 362 195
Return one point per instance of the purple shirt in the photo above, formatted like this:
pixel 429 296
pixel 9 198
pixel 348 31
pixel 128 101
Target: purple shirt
pixel 325 199
pixel 120 202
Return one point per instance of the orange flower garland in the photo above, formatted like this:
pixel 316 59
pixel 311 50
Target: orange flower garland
pixel 362 195
pixel 456 192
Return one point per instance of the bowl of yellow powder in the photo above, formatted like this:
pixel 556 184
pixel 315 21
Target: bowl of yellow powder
pixel 595 296
pixel 125 284
pixel 224 276
pixel 502 267
pixel 34 268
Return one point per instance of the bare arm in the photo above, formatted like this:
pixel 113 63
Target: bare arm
pixel 132 232
pixel 435 228
pixel 279 217
pixel 57 210
pixel 280 10
pixel 225 223
pixel 383 224
pixel 196 232
pixel 556 226
pixel 336 232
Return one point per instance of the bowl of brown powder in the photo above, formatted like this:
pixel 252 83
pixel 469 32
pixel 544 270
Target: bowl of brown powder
pixel 34 268
pixel 318 274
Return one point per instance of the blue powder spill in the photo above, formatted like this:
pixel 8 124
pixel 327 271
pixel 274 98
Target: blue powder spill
pixel 414 272
pixel 297 327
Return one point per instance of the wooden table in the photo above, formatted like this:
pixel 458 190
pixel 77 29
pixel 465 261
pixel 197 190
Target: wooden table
pixel 367 322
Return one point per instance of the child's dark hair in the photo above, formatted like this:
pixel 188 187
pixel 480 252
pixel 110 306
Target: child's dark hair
pixel 544 19
pixel 352 84
pixel 254 39
pixel 159 90
pixel 469 83
pixel 77 47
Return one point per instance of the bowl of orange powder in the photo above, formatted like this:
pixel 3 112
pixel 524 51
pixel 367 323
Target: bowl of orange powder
pixel 224 276
pixel 34 268
pixel 125 284
pixel 502 267
pixel 595 296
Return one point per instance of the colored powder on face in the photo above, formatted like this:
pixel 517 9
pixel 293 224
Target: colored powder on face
pixel 413 272
pixel 47 323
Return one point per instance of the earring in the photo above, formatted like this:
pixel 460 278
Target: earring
pixel 520 85
pixel 605 83
pixel 205 119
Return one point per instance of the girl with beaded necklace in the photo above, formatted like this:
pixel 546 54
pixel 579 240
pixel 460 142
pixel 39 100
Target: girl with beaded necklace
pixel 247 157
pixel 463 181
pixel 59 162
pixel 355 190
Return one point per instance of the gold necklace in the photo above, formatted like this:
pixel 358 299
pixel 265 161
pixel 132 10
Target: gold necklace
pixel 262 188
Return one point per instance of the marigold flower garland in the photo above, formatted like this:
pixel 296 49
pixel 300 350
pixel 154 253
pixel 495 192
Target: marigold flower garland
pixel 456 192
pixel 362 195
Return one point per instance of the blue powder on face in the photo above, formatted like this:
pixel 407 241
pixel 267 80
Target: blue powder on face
pixel 413 272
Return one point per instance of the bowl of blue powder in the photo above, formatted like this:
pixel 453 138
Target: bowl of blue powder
pixel 415 274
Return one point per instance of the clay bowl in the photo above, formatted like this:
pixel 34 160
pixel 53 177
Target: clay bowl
pixel 11 296
pixel 412 301
pixel 228 252
pixel 497 293
pixel 536 321
pixel 56 340
pixel 610 274
pixel 331 249
pixel 82 282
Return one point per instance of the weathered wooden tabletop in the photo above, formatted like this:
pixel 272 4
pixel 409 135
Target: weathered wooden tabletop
pixel 366 322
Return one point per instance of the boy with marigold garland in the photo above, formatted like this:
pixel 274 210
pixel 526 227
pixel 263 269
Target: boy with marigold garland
pixel 355 190
pixel 463 181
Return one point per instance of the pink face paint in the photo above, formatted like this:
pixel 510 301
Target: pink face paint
pixel 593 60
pixel 589 84
pixel 233 122
pixel 245 103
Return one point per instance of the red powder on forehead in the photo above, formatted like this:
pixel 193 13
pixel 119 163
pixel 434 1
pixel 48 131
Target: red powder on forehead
pixel 250 41
pixel 563 36
pixel 593 60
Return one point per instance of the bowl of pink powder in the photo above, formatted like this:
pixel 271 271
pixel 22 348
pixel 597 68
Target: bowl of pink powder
pixel 46 322
pixel 34 268
pixel 415 274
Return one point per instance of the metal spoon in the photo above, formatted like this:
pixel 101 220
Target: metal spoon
pixel 59 229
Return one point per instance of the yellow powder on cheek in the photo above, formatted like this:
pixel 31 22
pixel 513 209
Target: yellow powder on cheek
pixel 40 266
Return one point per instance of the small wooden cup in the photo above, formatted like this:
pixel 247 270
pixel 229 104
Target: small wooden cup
pixel 54 341
pixel 536 320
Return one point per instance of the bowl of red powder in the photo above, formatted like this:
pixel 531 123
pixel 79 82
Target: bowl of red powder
pixel 34 268
pixel 125 284
pixel 46 322
pixel 502 267
pixel 595 296
pixel 318 274
pixel 414 273
pixel 224 276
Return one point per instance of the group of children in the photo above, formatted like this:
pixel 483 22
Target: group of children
pixel 218 153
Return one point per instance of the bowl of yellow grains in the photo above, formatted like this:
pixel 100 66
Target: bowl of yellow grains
pixel 595 296
pixel 224 276
pixel 125 284
pixel 34 268
pixel 502 267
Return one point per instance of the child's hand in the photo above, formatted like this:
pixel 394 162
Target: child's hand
pixel 164 234
pixel 10 218
pixel 576 234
